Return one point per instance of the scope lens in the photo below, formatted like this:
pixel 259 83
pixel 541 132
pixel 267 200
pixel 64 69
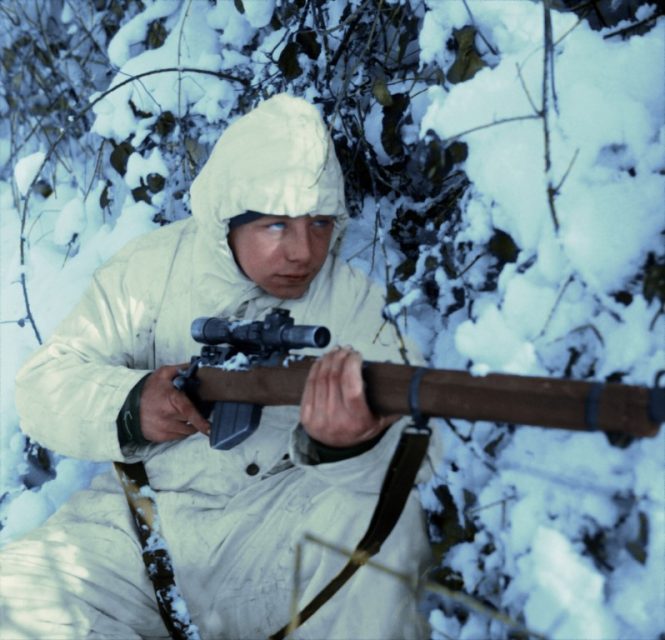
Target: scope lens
pixel 321 337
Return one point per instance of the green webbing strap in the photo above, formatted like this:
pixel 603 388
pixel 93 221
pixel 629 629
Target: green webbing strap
pixel 134 482
pixel 397 485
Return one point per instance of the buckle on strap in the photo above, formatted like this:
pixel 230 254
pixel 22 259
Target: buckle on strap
pixel 419 419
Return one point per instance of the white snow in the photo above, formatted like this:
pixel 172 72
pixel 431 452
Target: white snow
pixel 546 492
pixel 25 170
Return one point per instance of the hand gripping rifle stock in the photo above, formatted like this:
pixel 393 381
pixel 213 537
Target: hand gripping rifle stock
pixel 535 401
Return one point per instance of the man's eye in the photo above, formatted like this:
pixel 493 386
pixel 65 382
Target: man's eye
pixel 277 226
pixel 322 223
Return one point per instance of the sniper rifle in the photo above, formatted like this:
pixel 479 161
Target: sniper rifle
pixel 245 366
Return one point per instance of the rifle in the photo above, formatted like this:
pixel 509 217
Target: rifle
pixel 243 367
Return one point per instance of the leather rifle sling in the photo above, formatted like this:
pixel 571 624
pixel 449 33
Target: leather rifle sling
pixel 400 479
pixel 135 484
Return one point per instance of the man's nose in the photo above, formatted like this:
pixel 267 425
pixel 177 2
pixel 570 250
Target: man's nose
pixel 299 245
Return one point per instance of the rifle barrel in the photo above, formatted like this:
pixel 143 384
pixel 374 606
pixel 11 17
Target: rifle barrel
pixel 524 400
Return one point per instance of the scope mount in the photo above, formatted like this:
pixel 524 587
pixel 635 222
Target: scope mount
pixel 259 343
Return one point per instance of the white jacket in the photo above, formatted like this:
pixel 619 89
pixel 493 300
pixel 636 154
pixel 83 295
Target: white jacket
pixel 232 535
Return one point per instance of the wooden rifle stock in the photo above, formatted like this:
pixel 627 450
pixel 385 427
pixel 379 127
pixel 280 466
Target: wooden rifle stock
pixel 523 400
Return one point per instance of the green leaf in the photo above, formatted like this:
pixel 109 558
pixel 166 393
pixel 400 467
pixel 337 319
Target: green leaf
pixel 393 118
pixel 156 35
pixel 138 112
pixel 288 61
pixel 638 547
pixel 104 197
pixel 381 93
pixel 392 294
pixel 141 194
pixel 654 279
pixel 406 269
pixel 165 123
pixel 155 182
pixel 468 61
pixel 308 43
pixel 503 247
pixel 43 188
pixel 120 155
pixel 446 522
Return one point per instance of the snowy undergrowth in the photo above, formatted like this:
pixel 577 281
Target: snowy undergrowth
pixel 561 531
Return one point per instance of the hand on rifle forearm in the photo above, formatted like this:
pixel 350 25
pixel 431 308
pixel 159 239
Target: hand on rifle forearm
pixel 166 413
pixel 333 409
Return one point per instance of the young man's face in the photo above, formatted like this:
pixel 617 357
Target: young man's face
pixel 282 255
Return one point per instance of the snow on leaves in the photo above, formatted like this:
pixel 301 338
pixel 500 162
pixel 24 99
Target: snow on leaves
pixel 438 112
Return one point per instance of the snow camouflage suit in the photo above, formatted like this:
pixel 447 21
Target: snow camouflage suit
pixel 231 530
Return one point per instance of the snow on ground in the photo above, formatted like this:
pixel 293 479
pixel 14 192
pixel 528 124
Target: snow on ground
pixel 547 492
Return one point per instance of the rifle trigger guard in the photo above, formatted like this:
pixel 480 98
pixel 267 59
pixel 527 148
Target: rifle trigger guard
pixel 419 420
pixel 187 377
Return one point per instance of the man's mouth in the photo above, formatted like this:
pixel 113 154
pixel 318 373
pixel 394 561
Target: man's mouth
pixel 293 277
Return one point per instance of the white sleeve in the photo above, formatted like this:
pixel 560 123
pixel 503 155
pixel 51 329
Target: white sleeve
pixel 69 393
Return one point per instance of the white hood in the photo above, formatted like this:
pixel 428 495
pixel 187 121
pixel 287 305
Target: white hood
pixel 277 159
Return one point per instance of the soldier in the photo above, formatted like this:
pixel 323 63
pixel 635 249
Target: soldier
pixel 268 213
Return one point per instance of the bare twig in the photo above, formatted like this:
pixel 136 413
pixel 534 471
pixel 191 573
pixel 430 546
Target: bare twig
pixel 98 164
pixel 179 53
pixel 478 31
pixel 633 27
pixel 52 149
pixel 468 266
pixel 26 297
pixel 660 312
pixel 526 90
pixel 556 304
pixel 461 134
pixel 472 604
pixel 549 48
pixel 468 602
pixel 183 134
pixel 352 22
pixel 393 321
pixel 13 18
pixel 351 72
pixel 557 189
pixel 575 483
pixel 547 88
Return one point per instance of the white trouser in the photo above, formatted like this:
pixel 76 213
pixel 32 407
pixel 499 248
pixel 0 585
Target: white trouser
pixel 81 574
pixel 65 581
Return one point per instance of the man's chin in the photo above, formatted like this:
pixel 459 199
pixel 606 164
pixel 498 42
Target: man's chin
pixel 288 291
